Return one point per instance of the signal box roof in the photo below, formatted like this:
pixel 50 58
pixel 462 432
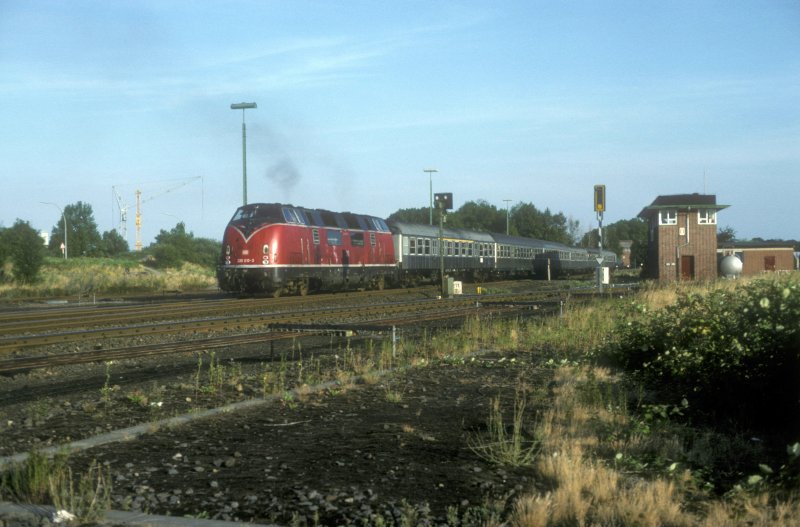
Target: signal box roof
pixel 682 202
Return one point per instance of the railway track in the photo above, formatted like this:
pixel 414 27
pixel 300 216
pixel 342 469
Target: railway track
pixel 259 328
pixel 97 315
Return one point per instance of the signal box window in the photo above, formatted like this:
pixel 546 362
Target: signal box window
pixel 707 217
pixel 668 217
pixel 412 246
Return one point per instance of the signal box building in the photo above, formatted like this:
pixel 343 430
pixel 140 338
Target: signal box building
pixel 682 239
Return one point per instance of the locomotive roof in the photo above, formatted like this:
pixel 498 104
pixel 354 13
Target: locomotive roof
pixel 281 205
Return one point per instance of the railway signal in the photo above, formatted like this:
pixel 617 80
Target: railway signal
pixel 600 198
pixel 600 207
pixel 444 202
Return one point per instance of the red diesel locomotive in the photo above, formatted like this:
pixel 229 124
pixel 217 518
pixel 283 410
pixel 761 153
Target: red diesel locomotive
pixel 276 248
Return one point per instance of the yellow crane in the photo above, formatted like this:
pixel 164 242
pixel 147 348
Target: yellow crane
pixel 123 207
pixel 139 202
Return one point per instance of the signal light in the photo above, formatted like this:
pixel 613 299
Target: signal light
pixel 600 198
pixel 444 200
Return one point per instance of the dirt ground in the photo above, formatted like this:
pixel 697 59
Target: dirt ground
pixel 389 451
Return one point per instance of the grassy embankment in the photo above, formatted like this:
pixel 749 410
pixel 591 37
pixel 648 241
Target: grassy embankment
pixel 82 278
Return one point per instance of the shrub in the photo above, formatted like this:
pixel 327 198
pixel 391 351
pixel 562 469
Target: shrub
pixel 26 250
pixel 733 354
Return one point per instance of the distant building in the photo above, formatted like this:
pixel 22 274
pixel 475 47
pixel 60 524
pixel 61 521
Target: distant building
pixel 626 245
pixel 45 236
pixel 760 257
pixel 682 237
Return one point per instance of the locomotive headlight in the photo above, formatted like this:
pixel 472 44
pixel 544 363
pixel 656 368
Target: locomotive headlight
pixel 265 248
pixel 265 260
pixel 228 250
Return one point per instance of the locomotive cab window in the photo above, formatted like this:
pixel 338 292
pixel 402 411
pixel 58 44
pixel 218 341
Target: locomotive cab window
pixel 290 215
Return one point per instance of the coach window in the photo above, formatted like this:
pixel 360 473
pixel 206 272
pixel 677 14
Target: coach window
pixel 412 246
pixel 357 239
pixel 334 237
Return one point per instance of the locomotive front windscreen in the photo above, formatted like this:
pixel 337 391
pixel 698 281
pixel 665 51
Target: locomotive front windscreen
pixel 266 213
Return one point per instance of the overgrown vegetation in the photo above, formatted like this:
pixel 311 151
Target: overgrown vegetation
pixel 84 278
pixel 41 479
pixel 731 354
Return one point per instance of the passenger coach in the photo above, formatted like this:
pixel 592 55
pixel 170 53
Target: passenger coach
pixel 466 253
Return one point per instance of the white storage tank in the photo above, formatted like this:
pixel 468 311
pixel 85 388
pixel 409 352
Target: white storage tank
pixel 730 266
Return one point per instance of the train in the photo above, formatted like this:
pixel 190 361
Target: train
pixel 278 249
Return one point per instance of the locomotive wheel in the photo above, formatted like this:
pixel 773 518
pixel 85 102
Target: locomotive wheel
pixel 303 287
pixel 276 293
pixel 380 283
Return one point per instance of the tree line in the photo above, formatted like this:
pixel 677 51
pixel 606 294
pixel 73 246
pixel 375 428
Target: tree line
pixel 23 248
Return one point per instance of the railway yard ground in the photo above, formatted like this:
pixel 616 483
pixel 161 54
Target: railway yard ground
pixel 380 438
pixel 383 408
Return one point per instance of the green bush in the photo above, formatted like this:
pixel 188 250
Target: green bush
pixel 26 251
pixel 734 354
pixel 174 247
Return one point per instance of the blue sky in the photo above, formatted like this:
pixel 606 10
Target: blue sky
pixel 533 101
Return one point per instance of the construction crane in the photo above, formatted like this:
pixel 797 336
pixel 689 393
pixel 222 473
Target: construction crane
pixel 139 202
pixel 122 226
pixel 123 206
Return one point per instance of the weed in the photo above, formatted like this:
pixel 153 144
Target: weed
pixel 106 390
pixel 41 480
pixel 28 482
pixel 89 499
pixel 393 395
pixel 500 446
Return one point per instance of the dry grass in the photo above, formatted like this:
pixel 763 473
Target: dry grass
pixel 84 277
pixel 584 488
